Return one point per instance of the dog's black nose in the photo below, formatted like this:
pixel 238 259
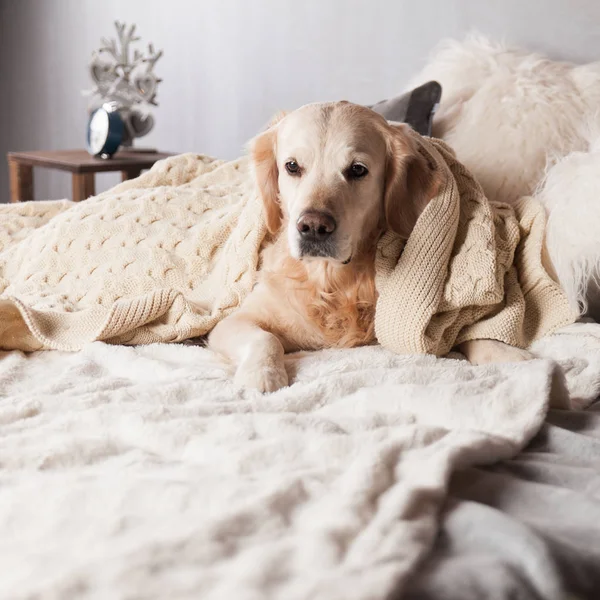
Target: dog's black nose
pixel 316 225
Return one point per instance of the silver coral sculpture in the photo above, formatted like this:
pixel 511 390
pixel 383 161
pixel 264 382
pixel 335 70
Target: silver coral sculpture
pixel 125 81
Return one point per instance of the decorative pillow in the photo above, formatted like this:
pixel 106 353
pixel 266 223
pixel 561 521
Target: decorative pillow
pixel 415 107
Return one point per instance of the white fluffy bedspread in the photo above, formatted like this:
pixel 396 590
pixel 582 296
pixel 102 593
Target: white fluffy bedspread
pixel 142 473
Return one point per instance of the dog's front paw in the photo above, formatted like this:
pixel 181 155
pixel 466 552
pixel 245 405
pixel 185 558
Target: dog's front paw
pixel 262 376
pixel 511 354
pixel 484 352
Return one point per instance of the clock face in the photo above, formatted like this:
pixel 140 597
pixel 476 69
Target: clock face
pixel 98 131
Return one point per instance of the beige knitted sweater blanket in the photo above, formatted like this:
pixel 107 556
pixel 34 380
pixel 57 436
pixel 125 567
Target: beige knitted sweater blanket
pixel 164 257
pixel 471 269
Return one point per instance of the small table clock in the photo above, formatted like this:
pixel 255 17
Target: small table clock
pixel 105 131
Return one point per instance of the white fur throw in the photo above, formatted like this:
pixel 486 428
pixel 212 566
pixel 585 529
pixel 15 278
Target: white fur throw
pixel 506 112
pixel 141 472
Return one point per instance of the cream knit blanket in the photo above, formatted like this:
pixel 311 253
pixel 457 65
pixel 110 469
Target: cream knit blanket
pixel 160 258
pixel 164 257
pixel 471 269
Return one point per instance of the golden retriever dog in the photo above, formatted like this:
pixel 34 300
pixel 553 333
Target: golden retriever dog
pixel 333 177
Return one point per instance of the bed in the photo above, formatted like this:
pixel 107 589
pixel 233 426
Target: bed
pixel 141 471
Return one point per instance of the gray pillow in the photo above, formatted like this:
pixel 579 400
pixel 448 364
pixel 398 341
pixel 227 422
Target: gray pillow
pixel 416 107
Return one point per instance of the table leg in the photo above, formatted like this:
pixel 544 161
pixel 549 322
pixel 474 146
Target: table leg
pixel 130 174
pixel 83 186
pixel 21 181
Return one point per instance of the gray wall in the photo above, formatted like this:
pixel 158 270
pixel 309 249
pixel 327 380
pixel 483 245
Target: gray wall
pixel 229 64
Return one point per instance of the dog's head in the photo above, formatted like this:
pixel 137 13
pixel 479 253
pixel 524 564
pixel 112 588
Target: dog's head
pixel 337 173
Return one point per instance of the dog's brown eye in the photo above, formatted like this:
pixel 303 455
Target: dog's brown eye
pixel 292 167
pixel 357 171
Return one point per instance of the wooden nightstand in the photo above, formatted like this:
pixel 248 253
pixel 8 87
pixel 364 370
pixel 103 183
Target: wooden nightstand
pixel 79 163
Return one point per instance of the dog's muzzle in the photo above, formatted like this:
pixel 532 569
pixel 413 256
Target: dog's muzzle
pixel 316 230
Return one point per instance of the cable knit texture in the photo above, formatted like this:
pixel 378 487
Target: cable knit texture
pixel 164 257
pixel 471 269
pixel 160 258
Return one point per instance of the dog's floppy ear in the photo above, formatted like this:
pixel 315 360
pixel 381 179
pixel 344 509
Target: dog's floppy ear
pixel 410 181
pixel 262 152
